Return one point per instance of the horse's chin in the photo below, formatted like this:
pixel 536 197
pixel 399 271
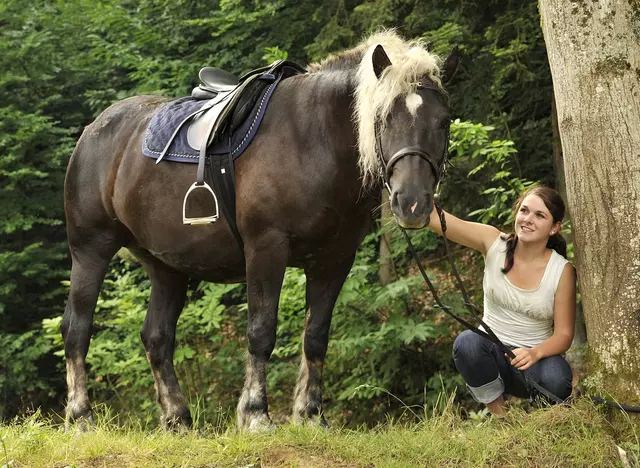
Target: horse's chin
pixel 412 223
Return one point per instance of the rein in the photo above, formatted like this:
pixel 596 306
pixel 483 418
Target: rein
pixel 487 332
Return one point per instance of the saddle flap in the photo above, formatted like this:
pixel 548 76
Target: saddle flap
pixel 200 126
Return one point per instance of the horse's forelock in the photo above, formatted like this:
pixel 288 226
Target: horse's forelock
pixel 410 61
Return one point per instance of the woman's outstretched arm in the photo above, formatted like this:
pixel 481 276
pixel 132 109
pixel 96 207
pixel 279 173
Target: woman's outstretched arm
pixel 477 236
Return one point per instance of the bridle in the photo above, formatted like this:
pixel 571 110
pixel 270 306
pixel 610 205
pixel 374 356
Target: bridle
pixel 386 167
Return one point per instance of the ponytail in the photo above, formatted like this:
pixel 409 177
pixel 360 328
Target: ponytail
pixel 557 243
pixel 555 205
pixel 512 240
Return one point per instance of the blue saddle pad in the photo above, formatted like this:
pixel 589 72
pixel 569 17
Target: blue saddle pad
pixel 165 122
pixel 162 126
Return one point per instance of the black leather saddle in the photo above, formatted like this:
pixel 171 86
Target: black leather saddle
pixel 214 80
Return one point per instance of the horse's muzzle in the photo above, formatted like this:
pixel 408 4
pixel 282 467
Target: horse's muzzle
pixel 411 211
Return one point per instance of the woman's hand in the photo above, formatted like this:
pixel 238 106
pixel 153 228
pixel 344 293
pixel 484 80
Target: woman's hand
pixel 525 358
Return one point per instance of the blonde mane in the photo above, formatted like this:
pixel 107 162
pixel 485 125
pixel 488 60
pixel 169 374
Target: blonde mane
pixel 410 62
pixel 374 97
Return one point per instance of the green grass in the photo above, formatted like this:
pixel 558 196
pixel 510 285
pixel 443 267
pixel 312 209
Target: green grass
pixel 558 436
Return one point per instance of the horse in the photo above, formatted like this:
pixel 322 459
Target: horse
pixel 307 188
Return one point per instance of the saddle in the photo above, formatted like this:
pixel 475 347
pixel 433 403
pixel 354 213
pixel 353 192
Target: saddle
pixel 215 125
pixel 214 80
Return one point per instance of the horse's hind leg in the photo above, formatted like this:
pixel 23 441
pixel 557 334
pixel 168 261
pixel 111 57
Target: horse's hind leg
pixel 168 294
pixel 323 288
pixel 90 260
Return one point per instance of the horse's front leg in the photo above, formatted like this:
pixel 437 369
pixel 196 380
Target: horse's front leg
pixel 323 288
pixel 266 264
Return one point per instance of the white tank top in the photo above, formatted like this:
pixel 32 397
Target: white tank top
pixel 519 317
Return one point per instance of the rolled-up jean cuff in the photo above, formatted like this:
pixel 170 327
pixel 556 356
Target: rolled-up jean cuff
pixel 488 392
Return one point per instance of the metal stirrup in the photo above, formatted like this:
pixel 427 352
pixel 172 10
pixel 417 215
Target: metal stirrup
pixel 203 219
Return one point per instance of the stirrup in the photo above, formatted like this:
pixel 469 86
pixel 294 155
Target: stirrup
pixel 204 219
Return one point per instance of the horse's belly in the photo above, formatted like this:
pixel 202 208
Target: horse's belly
pixel 202 268
pixel 340 243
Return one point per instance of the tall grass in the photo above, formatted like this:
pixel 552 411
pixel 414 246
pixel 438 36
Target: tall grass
pixel 556 436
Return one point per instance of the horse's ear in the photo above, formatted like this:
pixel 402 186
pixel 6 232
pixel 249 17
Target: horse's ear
pixel 450 65
pixel 380 60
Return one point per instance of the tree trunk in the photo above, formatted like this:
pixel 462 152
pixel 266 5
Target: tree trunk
pixel 575 354
pixel 386 272
pixel 594 53
pixel 558 159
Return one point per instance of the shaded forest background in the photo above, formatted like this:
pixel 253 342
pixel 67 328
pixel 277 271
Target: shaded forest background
pixel 63 62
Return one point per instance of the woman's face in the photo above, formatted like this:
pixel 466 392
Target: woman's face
pixel 534 221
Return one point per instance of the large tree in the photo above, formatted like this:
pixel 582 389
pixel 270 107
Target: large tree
pixel 594 53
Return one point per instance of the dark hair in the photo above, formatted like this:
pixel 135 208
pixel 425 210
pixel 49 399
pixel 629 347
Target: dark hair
pixel 554 203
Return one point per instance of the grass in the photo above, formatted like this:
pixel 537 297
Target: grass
pixel 557 436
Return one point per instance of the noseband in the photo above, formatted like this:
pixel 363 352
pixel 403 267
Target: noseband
pixel 410 151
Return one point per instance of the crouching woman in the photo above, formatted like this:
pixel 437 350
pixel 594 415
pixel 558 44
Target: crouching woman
pixel 529 302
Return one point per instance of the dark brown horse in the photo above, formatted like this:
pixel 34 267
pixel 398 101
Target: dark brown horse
pixel 305 191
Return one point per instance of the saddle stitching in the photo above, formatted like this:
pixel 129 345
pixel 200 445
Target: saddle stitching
pixel 146 146
pixel 255 118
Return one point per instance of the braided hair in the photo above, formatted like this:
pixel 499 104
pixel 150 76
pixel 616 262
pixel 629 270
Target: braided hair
pixel 555 205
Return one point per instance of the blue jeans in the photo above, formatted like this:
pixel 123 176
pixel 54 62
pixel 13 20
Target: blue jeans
pixel 489 375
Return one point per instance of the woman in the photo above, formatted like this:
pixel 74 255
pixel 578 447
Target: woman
pixel 529 302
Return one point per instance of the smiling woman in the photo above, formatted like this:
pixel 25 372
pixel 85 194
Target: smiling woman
pixel 529 302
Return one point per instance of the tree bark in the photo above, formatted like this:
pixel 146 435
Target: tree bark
pixel 386 272
pixel 594 53
pixel 575 354
pixel 558 158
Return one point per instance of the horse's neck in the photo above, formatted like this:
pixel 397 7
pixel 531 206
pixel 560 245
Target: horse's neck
pixel 331 98
pixel 318 109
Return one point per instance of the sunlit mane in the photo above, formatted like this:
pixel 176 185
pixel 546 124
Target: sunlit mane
pixel 375 97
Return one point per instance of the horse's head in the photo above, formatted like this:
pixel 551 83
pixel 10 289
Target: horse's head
pixel 412 142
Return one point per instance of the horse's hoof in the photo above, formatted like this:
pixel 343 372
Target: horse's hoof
pixel 83 423
pixel 314 422
pixel 178 423
pixel 260 425
pixel 322 423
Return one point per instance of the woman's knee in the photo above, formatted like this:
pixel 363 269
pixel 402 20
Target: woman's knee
pixel 469 345
pixel 555 376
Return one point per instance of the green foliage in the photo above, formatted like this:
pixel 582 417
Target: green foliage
pixel 271 54
pixel 471 146
pixel 21 379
